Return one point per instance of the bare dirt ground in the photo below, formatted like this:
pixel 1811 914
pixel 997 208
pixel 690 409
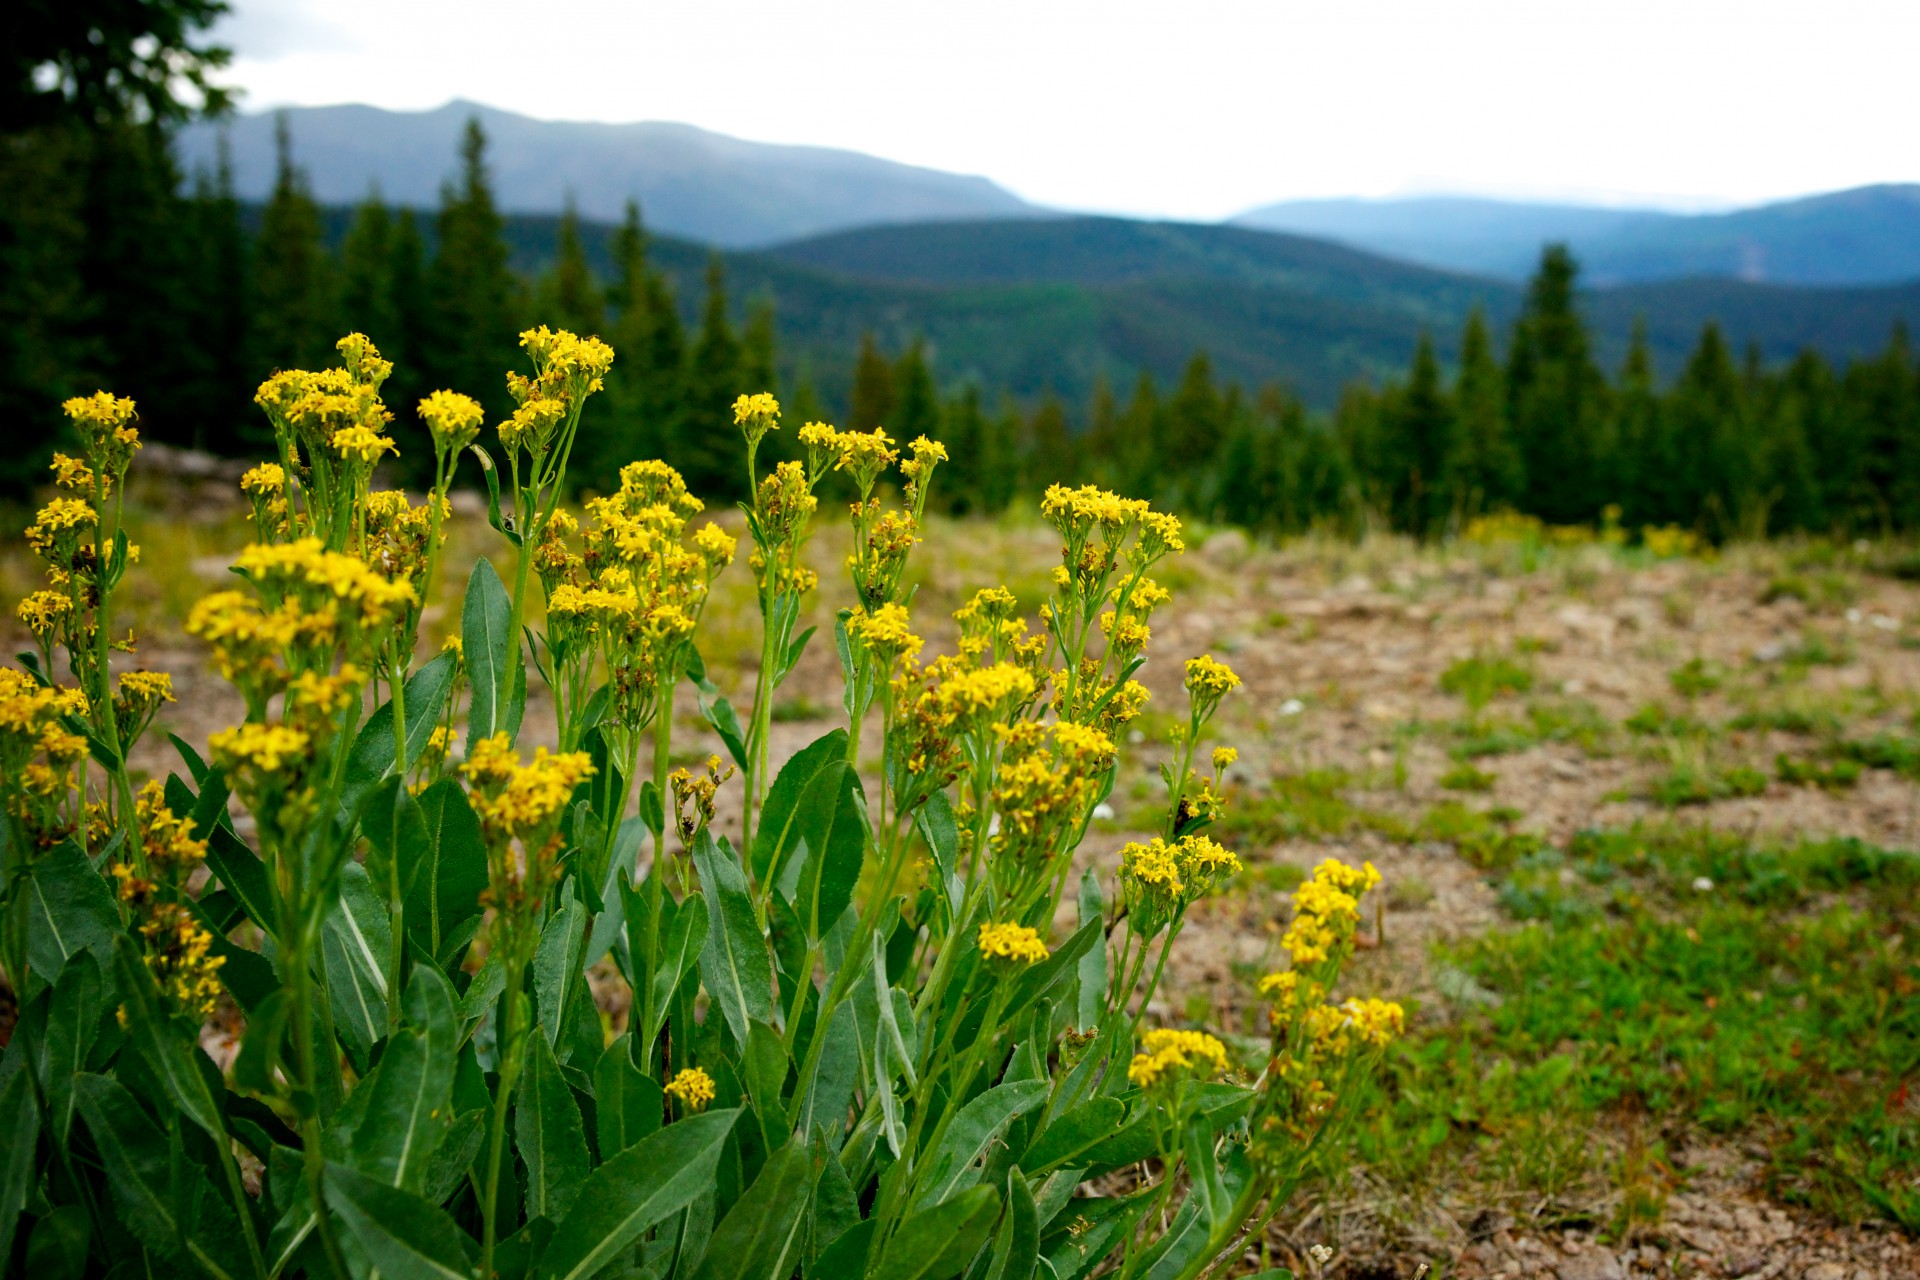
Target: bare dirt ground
pixel 1342 649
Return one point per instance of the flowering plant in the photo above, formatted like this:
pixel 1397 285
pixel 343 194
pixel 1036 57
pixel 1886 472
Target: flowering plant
pixel 850 1036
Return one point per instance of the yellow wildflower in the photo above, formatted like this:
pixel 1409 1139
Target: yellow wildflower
pixel 453 420
pixel 71 473
pixel 1011 945
pixel 1168 1055
pixel 266 480
pixel 692 1088
pixel 756 415
pixel 258 748
pixel 361 444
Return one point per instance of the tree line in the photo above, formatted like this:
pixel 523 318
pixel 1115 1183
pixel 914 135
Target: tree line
pixel 123 272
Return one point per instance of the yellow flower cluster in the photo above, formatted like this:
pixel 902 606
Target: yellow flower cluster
pixel 1327 911
pixel 523 800
pixel 693 796
pixel 1011 945
pixel 178 955
pixel 258 750
pixel 692 1088
pixel 567 369
pixel 1168 1055
pixel 918 469
pixel 756 415
pixel 71 473
pixel 361 445
pixel 38 752
pixel 1289 992
pixel 453 420
pixel 105 425
pixel 1048 779
pixel 1161 879
pixel 886 633
pixel 167 840
pixel 1209 680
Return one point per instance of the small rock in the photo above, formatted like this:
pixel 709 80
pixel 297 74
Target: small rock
pixel 1825 1271
pixel 1595 1264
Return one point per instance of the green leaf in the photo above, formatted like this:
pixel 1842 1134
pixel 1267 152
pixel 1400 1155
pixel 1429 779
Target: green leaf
pixel 942 834
pixel 556 964
pixel 492 477
pixel 169 1056
pixel 846 1255
pixel 69 910
pixel 736 963
pixel 974 1130
pixel 680 951
pixel 760 1237
pixel 492 652
pixel 1094 1229
pixel 372 756
pixel 778 829
pixel 453 865
pixel 832 819
pixel 835 1070
pixel 404 1236
pixel 357 942
pixel 19 1155
pixel 833 1209
pixel 410 1100
pixel 73 1020
pixel 626 1102
pixel 165 1202
pixel 1016 1247
pixel 764 1067
pixel 938 1243
pixel 244 875
pixel 716 710
pixel 634 1191
pixel 1204 1175
pixel 1092 969
pixel 396 834
pixel 192 759
pixel 549 1135
pixel 57 1249
pixel 1074 1134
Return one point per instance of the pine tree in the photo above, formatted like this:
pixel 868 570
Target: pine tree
pixel 1135 459
pixel 648 386
pixel 873 393
pixel 757 342
pixel 1707 411
pixel 1486 468
pixel 1555 395
pixel 569 296
pixel 214 394
pixel 408 385
pixel 293 277
pixel 1191 432
pixel 1049 448
pixel 1647 472
pixel 1416 449
pixel 963 430
pixel 916 408
pixel 477 304
pixel 708 444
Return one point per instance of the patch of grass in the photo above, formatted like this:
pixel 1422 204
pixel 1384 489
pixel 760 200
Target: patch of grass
pixel 1822 592
pixel 1896 751
pixel 1484 838
pixel 1838 775
pixel 1818 649
pixel 1695 782
pixel 1305 805
pixel 1464 777
pixel 1656 720
pixel 1479 680
pixel 1666 979
pixel 1696 678
pixel 1568 720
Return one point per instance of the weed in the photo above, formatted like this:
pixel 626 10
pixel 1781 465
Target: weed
pixel 1839 775
pixel 1464 777
pixel 1479 680
pixel 1696 678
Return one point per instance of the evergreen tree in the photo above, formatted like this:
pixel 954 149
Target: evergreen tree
pixel 477 304
pixel 1555 395
pixel 214 391
pixel 1707 411
pixel 1049 448
pixel 1190 435
pixel 872 404
pixel 1486 468
pixel 709 444
pixel 1884 401
pixel 1418 429
pixel 757 340
pixel 293 277
pixel 411 319
pixel 367 301
pixel 569 296
pixel 963 429
pixel 916 407
pixel 1135 457
pixel 1647 475
pixel 648 386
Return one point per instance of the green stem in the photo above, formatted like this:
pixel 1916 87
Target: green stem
pixel 497 1126
pixel 396 900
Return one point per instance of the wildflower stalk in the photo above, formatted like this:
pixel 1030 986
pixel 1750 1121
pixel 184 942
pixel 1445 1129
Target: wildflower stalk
pixel 511 1055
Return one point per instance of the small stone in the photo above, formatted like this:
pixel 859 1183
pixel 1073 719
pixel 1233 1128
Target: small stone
pixel 1594 1264
pixel 1825 1271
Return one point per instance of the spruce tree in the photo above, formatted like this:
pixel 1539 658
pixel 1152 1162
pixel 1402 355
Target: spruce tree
pixel 1486 470
pixel 1417 448
pixel 293 276
pixel 1191 432
pixel 916 409
pixel 477 307
pixel 963 430
pixel 1711 459
pixel 1555 395
pixel 1049 448
pixel 757 342
pixel 873 392
pixel 708 444
pixel 215 393
pixel 1647 473
pixel 648 386
pixel 569 296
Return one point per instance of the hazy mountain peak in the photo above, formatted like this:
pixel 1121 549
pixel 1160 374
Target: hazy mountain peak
pixel 690 181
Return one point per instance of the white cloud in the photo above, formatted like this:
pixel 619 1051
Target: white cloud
pixel 1197 109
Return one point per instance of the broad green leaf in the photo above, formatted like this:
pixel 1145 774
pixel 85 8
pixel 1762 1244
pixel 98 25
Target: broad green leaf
pixel 1093 1229
pixel 69 910
pixel 716 710
pixel 680 950
pixel 974 1130
pixel 896 1023
pixel 778 829
pixel 1016 1246
pixel 459 1148
pixel 1092 969
pixel 372 755
pixel 19 1155
pixel 357 943
pixel 73 1021
pixel 549 1134
pixel 832 819
pixel 1179 1246
pixel 939 1243
pixel 833 1208
pixel 835 1069
pixel 168 1205
pixel 634 1191
pixel 57 1249
pixel 244 875
pixel 942 834
pixel 1076 1133
pixel 736 963
pixel 404 1235
pixel 396 833
pixel 169 1056
pixel 1041 979
pixel 626 1102
pixel 764 1068
pixel 409 1101
pixel 556 964
pixel 760 1237
pixel 846 1254
pixel 453 865
pixel 1203 1175
pixel 491 652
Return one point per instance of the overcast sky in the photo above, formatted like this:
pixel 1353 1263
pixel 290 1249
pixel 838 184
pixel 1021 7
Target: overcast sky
pixel 1183 108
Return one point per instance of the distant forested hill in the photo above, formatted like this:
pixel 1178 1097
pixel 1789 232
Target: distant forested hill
pixel 1869 235
pixel 706 186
